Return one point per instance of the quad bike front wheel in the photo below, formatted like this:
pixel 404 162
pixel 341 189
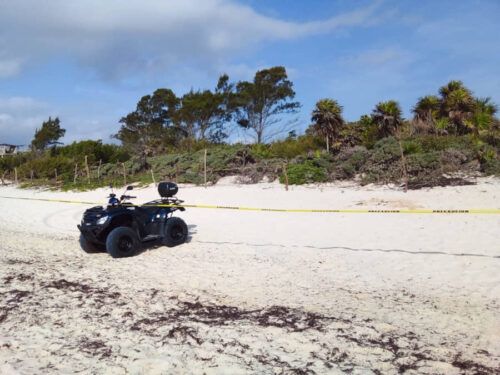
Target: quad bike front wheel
pixel 122 242
pixel 90 247
pixel 176 232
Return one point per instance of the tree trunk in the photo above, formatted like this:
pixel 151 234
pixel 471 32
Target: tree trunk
pixel 205 168
pixel 259 136
pixel 285 172
pixel 403 162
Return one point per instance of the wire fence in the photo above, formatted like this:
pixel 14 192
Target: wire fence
pixel 99 173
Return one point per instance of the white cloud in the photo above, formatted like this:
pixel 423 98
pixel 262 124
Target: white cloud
pixel 18 129
pixel 5 118
pixel 20 104
pixel 9 67
pixel 117 38
pixel 386 56
pixel 19 117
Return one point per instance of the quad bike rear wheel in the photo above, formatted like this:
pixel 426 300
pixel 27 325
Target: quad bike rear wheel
pixel 122 242
pixel 176 232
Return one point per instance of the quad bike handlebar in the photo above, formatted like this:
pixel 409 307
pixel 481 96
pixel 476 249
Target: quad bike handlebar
pixel 126 197
pixel 113 201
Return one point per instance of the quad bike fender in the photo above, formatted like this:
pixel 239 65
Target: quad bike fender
pixel 99 233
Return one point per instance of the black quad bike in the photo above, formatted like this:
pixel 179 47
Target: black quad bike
pixel 122 227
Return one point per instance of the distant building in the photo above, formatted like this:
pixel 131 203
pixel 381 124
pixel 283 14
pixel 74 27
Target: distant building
pixel 6 149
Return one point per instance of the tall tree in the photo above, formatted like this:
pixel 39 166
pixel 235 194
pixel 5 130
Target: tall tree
pixel 48 135
pixel 260 103
pixel 150 127
pixel 457 104
pixel 456 110
pixel 388 117
pixel 203 114
pixel 328 120
pixel 483 117
pixel 426 112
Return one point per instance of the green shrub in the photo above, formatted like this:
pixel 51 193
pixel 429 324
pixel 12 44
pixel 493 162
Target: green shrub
pixel 45 167
pixel 288 148
pixel 94 150
pixel 369 135
pixel 385 150
pixel 418 163
pixel 486 153
pixel 308 172
pixel 411 147
pixel 384 162
pixel 491 167
pixel 440 143
pixel 493 139
pixel 488 157
pixel 354 134
pixel 349 162
pixel 9 162
pixel 190 145
pixel 261 151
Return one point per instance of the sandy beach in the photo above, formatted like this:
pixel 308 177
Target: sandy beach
pixel 258 292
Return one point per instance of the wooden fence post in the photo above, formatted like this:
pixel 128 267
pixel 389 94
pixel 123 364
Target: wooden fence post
pixel 31 176
pixel 87 169
pixel 205 168
pixel 99 170
pixel 55 174
pixel 403 163
pixel 15 175
pixel 76 173
pixel 124 174
pixel 153 176
pixel 286 176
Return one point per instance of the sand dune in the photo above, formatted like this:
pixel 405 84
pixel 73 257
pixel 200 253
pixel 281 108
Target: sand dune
pixel 258 292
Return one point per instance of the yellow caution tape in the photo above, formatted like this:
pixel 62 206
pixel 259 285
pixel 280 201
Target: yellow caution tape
pixel 299 210
pixel 346 211
pixel 50 200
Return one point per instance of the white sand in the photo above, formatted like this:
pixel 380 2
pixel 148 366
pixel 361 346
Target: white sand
pixel 372 293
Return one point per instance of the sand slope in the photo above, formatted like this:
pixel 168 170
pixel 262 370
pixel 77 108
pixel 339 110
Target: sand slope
pixel 257 292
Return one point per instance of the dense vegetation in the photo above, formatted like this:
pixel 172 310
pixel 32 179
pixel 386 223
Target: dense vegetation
pixel 452 135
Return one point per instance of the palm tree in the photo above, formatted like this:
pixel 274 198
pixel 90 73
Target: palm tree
pixel 388 117
pixel 457 103
pixel 451 86
pixel 484 114
pixel 427 107
pixel 486 105
pixel 455 109
pixel 426 112
pixel 328 120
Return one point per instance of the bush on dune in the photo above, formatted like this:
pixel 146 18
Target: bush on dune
pixel 428 158
pixel 94 150
pixel 46 166
pixel 304 173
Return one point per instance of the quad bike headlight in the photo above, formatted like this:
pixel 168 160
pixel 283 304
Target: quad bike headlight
pixel 102 220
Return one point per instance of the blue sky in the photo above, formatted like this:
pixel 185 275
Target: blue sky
pixel 88 62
